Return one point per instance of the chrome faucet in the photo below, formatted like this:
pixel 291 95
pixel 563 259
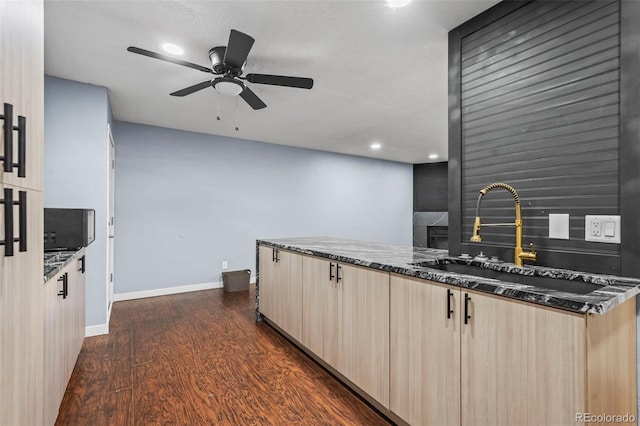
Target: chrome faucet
pixel 519 254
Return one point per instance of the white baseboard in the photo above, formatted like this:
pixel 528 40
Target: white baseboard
pixel 118 297
pixel 96 330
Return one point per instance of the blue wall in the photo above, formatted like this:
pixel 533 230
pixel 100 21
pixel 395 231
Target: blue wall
pixel 187 201
pixel 76 170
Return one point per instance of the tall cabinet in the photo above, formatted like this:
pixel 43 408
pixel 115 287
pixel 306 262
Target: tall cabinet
pixel 21 286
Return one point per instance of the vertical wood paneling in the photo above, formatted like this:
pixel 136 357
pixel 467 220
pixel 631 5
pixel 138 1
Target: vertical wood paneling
pixel 538 93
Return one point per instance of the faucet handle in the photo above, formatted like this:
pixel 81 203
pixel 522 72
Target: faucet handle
pixel 532 248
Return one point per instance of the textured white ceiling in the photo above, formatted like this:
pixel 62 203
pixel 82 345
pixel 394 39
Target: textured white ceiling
pixel 380 74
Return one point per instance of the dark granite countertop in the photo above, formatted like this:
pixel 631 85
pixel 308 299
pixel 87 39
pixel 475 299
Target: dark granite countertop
pixel 603 292
pixel 54 261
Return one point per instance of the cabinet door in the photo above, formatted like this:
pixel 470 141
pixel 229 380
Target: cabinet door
pixel 363 329
pixel 424 352
pixel 320 308
pixel 21 319
pixel 54 353
pixel 288 303
pixel 267 283
pixel 73 319
pixel 521 364
pixel 78 318
pixel 22 84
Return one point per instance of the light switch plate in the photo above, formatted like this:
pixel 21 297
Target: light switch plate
pixel 559 226
pixel 603 229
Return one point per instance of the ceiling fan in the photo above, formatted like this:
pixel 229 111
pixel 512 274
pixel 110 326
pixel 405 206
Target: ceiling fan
pixel 228 63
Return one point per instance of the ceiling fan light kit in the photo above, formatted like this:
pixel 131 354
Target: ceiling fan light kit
pixel 228 62
pixel 228 86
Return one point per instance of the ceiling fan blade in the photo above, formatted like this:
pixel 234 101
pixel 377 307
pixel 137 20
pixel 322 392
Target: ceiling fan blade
pixel 166 58
pixel 192 89
pixel 252 99
pixel 280 80
pixel 237 49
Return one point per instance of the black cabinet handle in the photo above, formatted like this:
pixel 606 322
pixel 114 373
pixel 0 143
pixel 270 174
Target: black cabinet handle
pixel 273 254
pixel 22 145
pixel 338 269
pixel 8 222
pixel 331 271
pixel 277 255
pixel 9 239
pixel 8 141
pixel 65 285
pixel 449 310
pixel 22 215
pixel 81 260
pixel 467 299
pixel 8 138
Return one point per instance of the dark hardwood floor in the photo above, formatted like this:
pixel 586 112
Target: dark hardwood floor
pixel 201 359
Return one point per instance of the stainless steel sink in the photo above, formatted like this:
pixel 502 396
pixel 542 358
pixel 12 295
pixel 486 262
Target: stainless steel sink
pixel 558 284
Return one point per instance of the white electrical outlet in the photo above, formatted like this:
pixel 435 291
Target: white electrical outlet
pixel 225 265
pixel 596 227
pixel 603 229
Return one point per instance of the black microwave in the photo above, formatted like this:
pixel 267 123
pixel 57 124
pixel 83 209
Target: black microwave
pixel 68 229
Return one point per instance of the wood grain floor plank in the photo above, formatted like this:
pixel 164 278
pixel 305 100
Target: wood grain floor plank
pixel 121 374
pixel 201 359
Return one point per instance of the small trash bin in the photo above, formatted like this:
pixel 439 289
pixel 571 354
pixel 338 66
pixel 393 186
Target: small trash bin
pixel 236 280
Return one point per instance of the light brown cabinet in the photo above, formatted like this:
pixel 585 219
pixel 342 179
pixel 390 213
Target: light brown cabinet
pixel 516 363
pixel 424 352
pixel 22 85
pixel 21 293
pixel 64 326
pixel 281 289
pixel 363 329
pixel 346 322
pixel 320 308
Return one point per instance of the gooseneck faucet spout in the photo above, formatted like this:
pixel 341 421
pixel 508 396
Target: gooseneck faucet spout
pixel 519 254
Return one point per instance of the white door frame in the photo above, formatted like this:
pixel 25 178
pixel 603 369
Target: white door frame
pixel 110 215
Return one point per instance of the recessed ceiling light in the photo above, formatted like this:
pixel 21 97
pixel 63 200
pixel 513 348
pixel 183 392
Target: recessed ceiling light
pixel 395 4
pixel 433 156
pixel 173 49
pixel 376 145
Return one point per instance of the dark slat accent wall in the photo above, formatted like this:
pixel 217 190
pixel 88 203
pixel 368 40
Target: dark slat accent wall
pixel 539 109
pixel 630 137
pixel 430 189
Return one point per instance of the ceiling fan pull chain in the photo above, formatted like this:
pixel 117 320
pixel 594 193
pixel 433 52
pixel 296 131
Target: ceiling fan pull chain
pixel 235 115
pixel 218 100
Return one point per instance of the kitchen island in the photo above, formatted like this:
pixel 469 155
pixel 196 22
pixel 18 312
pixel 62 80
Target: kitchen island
pixel 429 346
